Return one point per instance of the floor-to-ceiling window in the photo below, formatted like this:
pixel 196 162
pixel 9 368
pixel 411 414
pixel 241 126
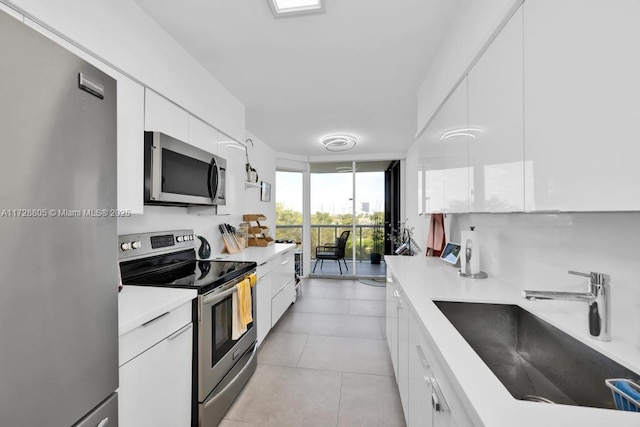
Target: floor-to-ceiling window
pixel 331 200
pixel 289 211
pixel 348 197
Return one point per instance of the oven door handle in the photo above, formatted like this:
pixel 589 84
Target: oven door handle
pixel 218 297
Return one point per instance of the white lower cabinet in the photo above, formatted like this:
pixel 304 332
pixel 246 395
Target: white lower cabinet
pixel 420 412
pixel 397 324
pixel 155 372
pixel 281 302
pixel 403 351
pixel 392 324
pixel 427 393
pixel 263 300
pixel 282 286
pixel 275 290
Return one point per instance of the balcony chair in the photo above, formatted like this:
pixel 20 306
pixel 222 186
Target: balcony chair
pixel 335 252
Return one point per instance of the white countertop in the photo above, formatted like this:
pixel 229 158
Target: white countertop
pixel 139 304
pixel 425 279
pixel 255 253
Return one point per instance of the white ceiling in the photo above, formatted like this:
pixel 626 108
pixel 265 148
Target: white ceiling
pixel 355 69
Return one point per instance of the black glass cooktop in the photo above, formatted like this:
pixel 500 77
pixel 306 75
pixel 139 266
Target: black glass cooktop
pixel 177 272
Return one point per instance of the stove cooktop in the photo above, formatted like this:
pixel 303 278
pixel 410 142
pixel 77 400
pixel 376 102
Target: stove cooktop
pixel 197 275
pixel 168 259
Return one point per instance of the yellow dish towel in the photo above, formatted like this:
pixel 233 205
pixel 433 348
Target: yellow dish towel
pixel 241 303
pixel 252 278
pixel 236 324
pixel 244 300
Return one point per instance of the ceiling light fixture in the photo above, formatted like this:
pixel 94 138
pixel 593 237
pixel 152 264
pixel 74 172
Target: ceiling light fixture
pixel 470 132
pixel 295 7
pixel 344 169
pixel 339 142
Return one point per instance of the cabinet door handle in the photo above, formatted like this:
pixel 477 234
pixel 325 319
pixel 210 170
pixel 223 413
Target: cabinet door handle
pixel 264 263
pixel 103 423
pixel 435 402
pixel 286 261
pixel 154 319
pixel 180 331
pixel 423 359
pixel 437 399
pixel 396 294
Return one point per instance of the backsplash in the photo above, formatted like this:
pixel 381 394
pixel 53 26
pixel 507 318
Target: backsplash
pixel 161 218
pixel 535 251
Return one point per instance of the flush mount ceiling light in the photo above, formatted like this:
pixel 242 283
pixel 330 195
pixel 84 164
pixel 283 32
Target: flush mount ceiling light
pixel 470 132
pixel 296 7
pixel 339 142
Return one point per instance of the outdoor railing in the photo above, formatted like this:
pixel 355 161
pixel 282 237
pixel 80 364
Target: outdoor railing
pixel 327 234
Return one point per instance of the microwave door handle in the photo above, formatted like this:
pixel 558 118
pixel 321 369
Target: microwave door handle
pixel 213 179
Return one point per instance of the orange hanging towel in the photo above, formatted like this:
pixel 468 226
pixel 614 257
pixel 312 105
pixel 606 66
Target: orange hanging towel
pixel 436 239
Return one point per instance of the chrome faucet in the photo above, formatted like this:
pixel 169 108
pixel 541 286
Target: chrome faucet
pixel 597 297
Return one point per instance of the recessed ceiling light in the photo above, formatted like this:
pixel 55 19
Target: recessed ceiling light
pixel 296 7
pixel 339 142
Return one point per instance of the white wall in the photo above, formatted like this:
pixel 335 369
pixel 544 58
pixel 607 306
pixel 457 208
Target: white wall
pixel 263 159
pixel 123 36
pixel 473 27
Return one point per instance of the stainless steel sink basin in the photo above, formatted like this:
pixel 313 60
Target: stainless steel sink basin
pixel 533 359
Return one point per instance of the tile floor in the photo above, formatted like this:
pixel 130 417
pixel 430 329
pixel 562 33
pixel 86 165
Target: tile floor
pixel 326 363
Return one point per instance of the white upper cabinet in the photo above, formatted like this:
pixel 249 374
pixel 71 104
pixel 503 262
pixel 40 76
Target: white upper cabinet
pixel 431 155
pixel 234 154
pixel 130 145
pixel 161 115
pixel 496 147
pixel 203 135
pixel 582 108
pixel 453 134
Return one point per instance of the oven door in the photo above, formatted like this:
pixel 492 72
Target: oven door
pixel 217 351
pixel 179 173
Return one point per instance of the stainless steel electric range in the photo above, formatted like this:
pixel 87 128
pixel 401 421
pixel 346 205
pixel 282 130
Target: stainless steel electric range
pixel 221 365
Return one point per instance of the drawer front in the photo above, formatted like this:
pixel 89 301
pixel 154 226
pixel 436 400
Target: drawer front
pixel 263 269
pixel 141 338
pixel 283 271
pixel 281 302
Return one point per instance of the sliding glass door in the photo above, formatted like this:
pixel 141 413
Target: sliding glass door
pixel 348 199
pixel 331 199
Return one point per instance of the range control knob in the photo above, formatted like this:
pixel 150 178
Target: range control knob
pixel 136 245
pixel 180 238
pixel 125 246
pixel 190 236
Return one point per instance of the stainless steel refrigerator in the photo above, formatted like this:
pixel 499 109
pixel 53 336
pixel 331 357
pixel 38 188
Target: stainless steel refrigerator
pixel 58 268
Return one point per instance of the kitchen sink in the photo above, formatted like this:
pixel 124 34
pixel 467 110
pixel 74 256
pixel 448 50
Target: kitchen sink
pixel 533 359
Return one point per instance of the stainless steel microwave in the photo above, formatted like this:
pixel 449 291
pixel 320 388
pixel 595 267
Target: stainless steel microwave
pixel 179 174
